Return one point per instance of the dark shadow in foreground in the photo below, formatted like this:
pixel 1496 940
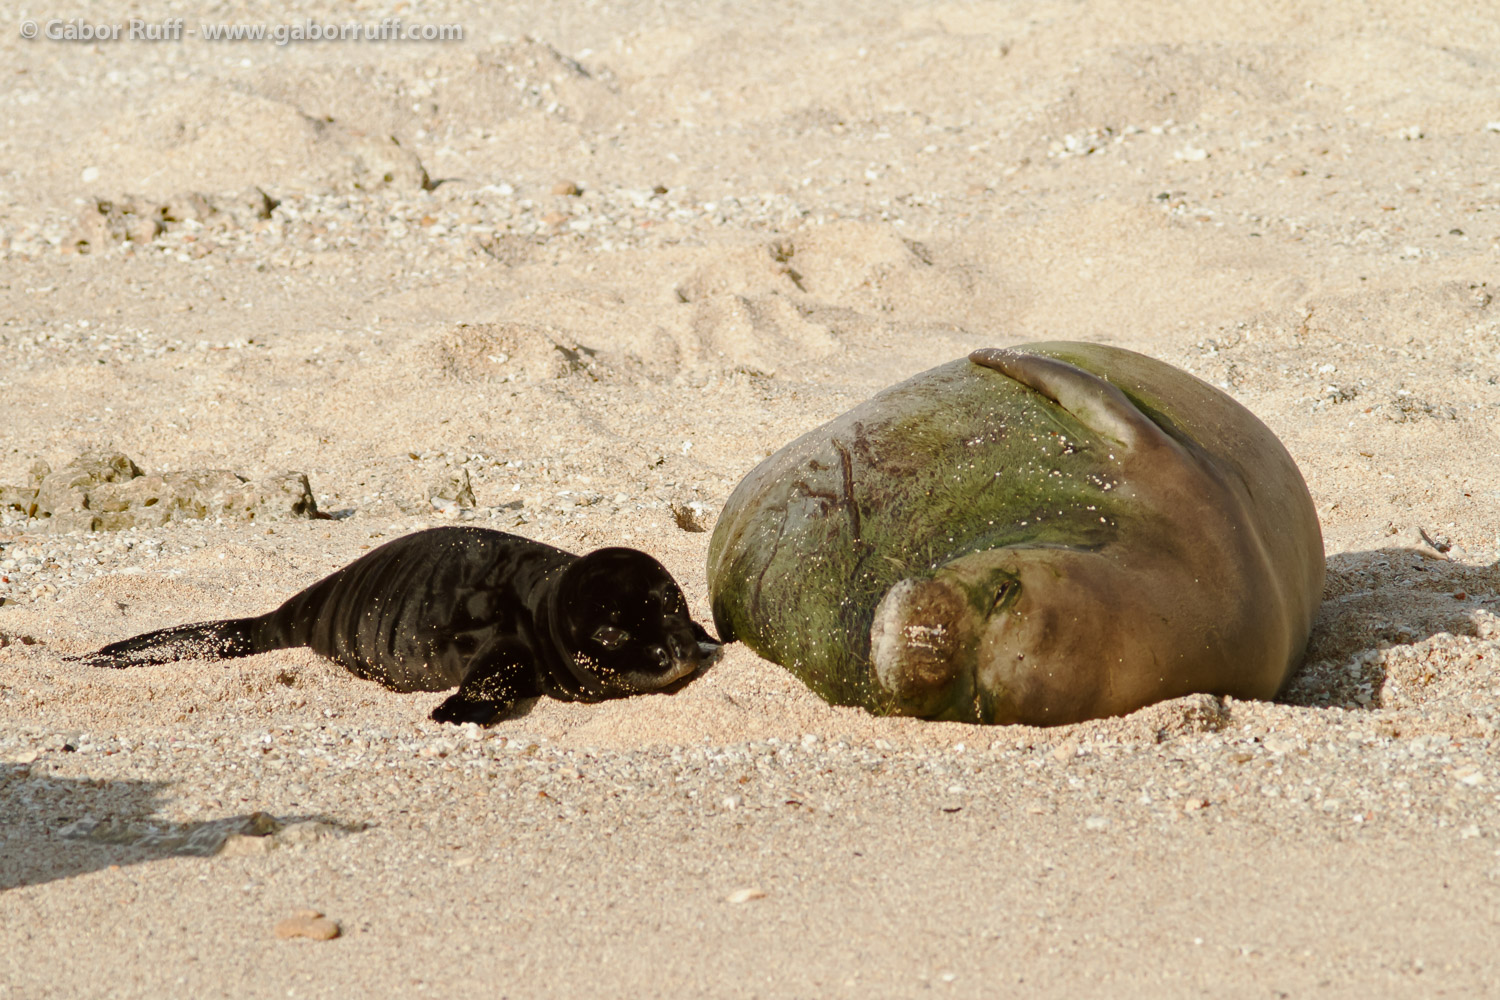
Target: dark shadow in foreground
pixel 56 828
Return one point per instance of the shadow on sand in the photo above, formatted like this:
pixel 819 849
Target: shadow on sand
pixel 55 828
pixel 1378 599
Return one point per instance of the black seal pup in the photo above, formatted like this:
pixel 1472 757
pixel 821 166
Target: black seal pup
pixel 499 616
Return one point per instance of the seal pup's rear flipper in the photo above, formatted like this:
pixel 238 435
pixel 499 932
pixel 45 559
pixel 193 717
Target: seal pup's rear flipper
pixel 220 640
pixel 1096 402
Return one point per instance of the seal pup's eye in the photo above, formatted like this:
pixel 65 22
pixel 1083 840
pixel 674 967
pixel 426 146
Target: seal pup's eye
pixel 611 636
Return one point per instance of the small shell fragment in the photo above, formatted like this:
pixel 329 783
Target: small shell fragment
pixel 308 924
pixel 745 895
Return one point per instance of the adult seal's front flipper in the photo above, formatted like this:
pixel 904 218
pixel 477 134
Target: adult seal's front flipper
pixel 1096 403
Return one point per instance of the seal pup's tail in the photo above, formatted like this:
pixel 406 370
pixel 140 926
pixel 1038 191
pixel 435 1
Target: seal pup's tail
pixel 220 640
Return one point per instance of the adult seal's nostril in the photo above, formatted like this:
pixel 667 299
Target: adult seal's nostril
pixel 917 645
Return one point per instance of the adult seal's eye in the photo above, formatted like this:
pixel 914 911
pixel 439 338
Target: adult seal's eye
pixel 611 636
pixel 1003 595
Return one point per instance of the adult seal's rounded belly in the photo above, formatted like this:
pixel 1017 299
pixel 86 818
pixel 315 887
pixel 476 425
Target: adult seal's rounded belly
pixel 1038 535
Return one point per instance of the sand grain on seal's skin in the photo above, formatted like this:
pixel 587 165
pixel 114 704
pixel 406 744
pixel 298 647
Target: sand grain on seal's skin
pixel 778 214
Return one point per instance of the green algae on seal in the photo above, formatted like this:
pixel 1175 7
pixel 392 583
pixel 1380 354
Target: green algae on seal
pixel 1038 535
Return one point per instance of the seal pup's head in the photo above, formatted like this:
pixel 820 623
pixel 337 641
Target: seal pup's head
pixel 620 626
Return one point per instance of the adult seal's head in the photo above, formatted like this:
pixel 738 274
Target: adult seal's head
pixel 1038 535
pixel 619 625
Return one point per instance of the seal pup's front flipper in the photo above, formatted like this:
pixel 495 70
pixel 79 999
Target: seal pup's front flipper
pixel 220 640
pixel 499 676
pixel 1096 402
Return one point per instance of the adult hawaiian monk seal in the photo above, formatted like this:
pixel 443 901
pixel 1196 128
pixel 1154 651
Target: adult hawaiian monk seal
pixel 499 616
pixel 1038 535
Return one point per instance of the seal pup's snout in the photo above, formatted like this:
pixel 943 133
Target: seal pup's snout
pixel 680 649
pixel 694 647
pixel 663 669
